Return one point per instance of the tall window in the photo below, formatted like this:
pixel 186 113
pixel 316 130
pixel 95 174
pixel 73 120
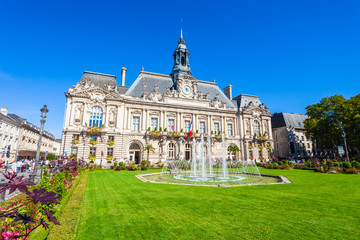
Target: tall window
pixel 96 117
pixel 202 127
pixel 74 151
pixel 154 124
pixel 187 126
pixel 229 129
pixel 187 151
pixel 216 128
pixel 76 136
pixel 110 151
pixel 171 125
pixel 136 123
pixel 256 128
pixel 171 150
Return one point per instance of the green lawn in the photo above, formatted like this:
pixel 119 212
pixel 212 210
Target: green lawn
pixel 117 205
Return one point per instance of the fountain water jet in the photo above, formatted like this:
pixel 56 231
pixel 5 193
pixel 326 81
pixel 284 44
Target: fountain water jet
pixel 208 172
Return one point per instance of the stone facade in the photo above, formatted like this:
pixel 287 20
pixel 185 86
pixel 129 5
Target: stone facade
pixel 23 137
pixel 158 109
pixel 289 136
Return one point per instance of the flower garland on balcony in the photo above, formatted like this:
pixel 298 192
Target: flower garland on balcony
pixel 155 133
pixel 251 146
pixel 109 158
pixel 261 147
pixel 93 142
pixel 92 157
pixel 110 142
pixel 268 147
pixel 175 134
pixel 76 141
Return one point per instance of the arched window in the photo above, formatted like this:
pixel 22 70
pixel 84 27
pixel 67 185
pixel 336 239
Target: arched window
pixel 183 61
pixel 171 150
pixel 256 128
pixel 96 117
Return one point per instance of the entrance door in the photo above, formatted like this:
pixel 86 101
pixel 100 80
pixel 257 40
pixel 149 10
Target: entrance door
pixel 134 153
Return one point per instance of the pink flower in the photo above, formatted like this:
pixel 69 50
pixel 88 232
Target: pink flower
pixel 10 235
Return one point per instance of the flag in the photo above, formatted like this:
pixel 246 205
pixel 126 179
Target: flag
pixel 172 127
pixel 190 133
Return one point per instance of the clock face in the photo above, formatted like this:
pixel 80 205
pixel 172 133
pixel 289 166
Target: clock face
pixel 186 89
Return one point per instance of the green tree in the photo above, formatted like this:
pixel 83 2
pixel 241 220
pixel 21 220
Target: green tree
pixel 325 120
pixel 235 149
pixel 148 148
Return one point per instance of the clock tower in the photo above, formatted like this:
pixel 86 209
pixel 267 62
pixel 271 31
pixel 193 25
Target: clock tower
pixel 181 60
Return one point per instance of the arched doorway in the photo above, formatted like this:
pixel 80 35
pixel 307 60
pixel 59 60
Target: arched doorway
pixel 135 153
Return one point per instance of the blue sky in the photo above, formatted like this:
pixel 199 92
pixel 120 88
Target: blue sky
pixel 289 53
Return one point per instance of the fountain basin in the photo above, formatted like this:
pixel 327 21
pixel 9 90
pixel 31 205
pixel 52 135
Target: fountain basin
pixel 242 180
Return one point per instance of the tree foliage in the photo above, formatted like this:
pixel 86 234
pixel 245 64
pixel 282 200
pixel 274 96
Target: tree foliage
pixel 325 120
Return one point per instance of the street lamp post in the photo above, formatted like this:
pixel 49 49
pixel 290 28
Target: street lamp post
pixel 36 175
pixel 344 136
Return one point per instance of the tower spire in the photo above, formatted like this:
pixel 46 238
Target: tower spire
pixel 181 58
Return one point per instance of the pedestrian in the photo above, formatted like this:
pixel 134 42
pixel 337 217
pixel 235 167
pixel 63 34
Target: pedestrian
pixel 18 166
pixel 13 166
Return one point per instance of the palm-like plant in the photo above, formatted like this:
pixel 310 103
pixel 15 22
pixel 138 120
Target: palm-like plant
pixel 148 147
pixel 235 149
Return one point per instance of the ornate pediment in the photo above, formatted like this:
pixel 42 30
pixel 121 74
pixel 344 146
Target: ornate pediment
pixel 94 93
pixel 256 110
pixel 154 96
pixel 217 103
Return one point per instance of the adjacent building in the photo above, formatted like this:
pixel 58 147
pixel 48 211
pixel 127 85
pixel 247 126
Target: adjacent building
pixel 104 119
pixel 23 136
pixel 289 136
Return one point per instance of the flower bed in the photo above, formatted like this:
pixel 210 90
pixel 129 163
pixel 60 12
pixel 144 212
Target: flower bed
pixel 35 206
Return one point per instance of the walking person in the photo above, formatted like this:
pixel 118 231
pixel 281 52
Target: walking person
pixel 18 166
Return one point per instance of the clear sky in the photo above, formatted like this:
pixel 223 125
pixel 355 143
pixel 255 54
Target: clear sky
pixel 289 53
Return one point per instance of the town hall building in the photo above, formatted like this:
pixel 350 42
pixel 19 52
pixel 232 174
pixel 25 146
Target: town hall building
pixel 105 120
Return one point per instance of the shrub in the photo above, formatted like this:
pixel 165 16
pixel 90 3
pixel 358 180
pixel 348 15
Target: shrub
pixel 355 164
pixel 346 165
pixel 88 165
pixel 115 164
pixel 352 171
pixel 144 167
pixel 50 157
pixel 122 165
pixel 143 162
pixel 132 168
pixel 308 163
pixel 118 168
pixel 151 166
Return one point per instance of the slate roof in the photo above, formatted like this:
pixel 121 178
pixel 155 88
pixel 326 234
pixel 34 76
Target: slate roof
pixel 29 124
pixel 147 81
pixel 288 120
pixel 244 99
pixel 99 79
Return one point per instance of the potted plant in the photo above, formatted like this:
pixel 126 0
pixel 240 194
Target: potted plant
pixel 93 141
pixel 76 141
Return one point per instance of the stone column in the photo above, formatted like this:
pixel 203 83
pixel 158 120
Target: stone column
pixel 142 119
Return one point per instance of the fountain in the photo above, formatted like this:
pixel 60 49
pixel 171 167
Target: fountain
pixel 206 170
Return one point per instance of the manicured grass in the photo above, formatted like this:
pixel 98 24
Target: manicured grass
pixel 117 205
